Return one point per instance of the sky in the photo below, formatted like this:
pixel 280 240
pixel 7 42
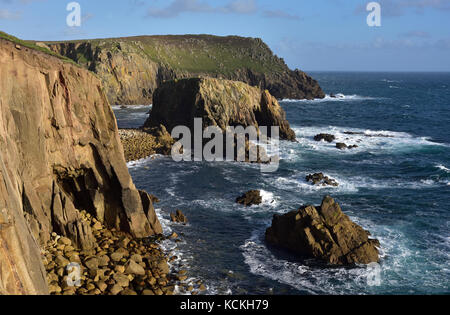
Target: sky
pixel 319 35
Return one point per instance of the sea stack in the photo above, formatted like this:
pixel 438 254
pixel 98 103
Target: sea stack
pixel 219 103
pixel 325 233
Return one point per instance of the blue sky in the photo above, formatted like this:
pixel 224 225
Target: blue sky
pixel 311 35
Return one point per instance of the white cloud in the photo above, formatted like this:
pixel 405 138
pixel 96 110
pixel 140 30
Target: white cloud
pixel 8 15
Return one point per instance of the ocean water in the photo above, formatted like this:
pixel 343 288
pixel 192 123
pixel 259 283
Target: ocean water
pixel 395 184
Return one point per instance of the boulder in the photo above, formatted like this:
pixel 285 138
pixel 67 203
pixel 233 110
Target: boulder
pixel 251 198
pixel 324 137
pixel 325 233
pixel 133 268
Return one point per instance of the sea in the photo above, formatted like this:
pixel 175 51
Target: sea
pixel 396 184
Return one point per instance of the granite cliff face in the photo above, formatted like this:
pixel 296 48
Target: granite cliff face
pixel 219 103
pixel 131 69
pixel 60 153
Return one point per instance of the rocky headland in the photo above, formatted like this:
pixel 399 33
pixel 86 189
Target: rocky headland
pixel 131 69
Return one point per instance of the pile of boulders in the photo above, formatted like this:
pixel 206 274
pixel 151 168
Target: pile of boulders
pixel 116 265
pixel 140 144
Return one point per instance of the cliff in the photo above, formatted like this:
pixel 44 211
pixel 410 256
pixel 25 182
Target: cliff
pixel 131 69
pixel 60 154
pixel 219 103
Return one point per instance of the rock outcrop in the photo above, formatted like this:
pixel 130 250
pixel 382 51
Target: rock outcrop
pixel 219 103
pixel 344 146
pixel 324 137
pixel 178 217
pixel 131 69
pixel 60 153
pixel 325 233
pixel 319 179
pixel 250 198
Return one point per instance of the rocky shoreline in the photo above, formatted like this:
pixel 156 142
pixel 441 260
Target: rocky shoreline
pixel 116 265
pixel 140 144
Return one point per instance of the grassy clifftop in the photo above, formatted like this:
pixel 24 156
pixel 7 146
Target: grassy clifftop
pixel 33 45
pixel 132 68
pixel 195 53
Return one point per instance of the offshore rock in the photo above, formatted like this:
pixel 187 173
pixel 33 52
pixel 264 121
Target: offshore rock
pixel 251 198
pixel 325 233
pixel 219 103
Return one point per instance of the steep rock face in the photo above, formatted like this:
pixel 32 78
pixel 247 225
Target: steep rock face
pixel 325 233
pixel 59 153
pixel 219 103
pixel 132 68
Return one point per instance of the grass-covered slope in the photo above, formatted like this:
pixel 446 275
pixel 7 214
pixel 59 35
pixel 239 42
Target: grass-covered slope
pixel 33 45
pixel 133 67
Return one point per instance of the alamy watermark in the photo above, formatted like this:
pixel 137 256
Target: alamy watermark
pixel 374 17
pixel 73 275
pixel 74 17
pixel 374 275
pixel 240 144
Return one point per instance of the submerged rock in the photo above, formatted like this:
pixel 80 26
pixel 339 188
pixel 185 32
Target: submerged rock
pixel 251 198
pixel 325 233
pixel 343 146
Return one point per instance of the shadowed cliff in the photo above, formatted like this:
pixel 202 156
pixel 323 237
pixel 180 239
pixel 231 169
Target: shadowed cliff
pixel 60 154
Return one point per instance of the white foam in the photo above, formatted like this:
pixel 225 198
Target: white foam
pixel 314 280
pixel 143 162
pixel 131 107
pixel 269 198
pixel 373 141
pixel 307 276
pixel 338 98
pixel 390 81
pixel 443 168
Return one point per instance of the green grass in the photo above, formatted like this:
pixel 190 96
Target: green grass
pixel 32 45
pixel 198 53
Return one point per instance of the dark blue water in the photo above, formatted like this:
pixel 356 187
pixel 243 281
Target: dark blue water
pixel 396 184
